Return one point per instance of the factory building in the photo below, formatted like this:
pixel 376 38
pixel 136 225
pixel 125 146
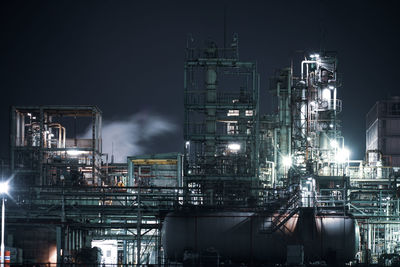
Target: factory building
pixel 44 153
pixel 383 132
pixel 249 189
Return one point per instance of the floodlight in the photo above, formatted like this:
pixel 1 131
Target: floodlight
pixel 75 152
pixel 334 143
pixel 234 147
pixel 342 155
pixel 4 187
pixel 287 161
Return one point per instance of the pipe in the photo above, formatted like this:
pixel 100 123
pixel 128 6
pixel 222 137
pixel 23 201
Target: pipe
pixel 61 132
pixel 275 151
pixel 273 172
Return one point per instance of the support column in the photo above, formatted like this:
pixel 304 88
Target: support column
pixel 59 245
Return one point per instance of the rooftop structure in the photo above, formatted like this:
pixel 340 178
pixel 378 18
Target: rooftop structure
pixel 383 133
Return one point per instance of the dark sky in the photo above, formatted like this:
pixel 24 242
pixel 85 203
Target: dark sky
pixel 127 56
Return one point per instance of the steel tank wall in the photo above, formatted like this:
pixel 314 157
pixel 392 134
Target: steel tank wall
pixel 246 236
pixel 331 237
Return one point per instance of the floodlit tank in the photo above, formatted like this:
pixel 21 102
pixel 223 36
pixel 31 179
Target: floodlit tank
pixel 251 237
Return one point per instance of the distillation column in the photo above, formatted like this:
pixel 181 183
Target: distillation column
pixel 284 94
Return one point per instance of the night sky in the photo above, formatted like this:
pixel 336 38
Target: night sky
pixel 127 57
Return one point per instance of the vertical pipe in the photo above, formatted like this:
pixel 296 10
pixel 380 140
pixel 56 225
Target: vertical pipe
pixel 58 244
pixel 138 228
pixel 288 112
pixel 99 133
pixel 73 245
pixel 59 136
pixel 41 132
pixel 124 249
pixel 369 238
pixel 3 211
pixel 131 169
pixel 65 240
pixel 18 128
pixel 159 256
pixel 179 170
pixel 22 130
pixel 257 121
pixel 95 182
pixel 79 239
pixel 275 154
pixel 373 239
pixel 12 138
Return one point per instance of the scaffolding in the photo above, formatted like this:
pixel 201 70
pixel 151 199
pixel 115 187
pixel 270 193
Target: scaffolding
pixel 221 130
pixel 46 149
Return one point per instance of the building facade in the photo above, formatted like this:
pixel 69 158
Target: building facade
pixel 383 133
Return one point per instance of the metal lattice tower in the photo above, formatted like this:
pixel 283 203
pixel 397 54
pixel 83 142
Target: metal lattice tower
pixel 221 131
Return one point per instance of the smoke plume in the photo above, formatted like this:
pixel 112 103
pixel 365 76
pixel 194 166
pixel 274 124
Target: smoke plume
pixel 131 136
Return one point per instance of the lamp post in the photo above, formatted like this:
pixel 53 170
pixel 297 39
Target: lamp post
pixel 3 192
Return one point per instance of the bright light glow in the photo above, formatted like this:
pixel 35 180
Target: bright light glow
pixel 234 147
pixel 326 94
pixel 334 143
pixel 233 112
pixel 76 152
pixel 314 56
pixel 53 255
pixel 331 87
pixel 342 155
pixel 109 249
pixel 4 187
pixel 287 161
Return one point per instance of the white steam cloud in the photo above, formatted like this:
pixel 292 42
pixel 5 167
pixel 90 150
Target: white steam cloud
pixel 128 137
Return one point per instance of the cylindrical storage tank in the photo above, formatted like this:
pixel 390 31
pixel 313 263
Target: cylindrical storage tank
pixel 339 237
pixel 331 237
pixel 237 236
pixel 252 237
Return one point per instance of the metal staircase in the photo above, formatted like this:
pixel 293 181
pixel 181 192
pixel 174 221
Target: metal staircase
pixel 286 211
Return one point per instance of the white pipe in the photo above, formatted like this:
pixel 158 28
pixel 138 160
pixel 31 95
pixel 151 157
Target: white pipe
pixel 64 137
pixel 334 99
pixel 2 233
pixel 61 134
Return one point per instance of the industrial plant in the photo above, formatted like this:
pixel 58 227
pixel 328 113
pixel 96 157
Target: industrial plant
pixel 246 189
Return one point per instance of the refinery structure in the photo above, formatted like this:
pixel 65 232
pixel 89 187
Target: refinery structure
pixel 249 189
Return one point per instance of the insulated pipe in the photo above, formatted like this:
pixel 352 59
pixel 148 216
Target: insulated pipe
pixel 288 111
pixel 64 136
pixel 334 101
pixel 275 152
pixel 61 132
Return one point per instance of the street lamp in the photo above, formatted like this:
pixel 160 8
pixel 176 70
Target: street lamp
pixel 3 192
